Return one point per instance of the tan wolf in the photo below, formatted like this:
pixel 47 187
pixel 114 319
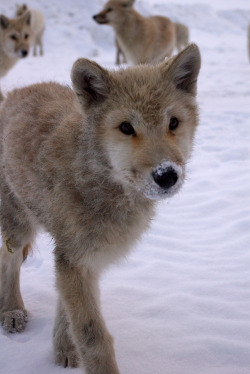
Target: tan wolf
pixel 182 41
pixel 37 26
pixel 141 39
pixel 88 165
pixel 15 39
pixel 182 36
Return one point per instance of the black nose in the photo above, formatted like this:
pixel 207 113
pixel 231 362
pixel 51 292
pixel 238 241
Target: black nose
pixel 166 179
pixel 94 17
pixel 24 53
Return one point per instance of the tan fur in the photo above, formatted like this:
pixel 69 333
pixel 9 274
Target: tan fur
pixel 88 165
pixel 141 39
pixel 182 36
pixel 37 26
pixel 15 39
pixel 120 57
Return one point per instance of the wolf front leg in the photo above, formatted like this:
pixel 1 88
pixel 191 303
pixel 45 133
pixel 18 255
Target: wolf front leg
pixel 78 290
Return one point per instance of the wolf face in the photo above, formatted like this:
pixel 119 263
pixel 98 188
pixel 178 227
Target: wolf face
pixel 15 35
pixel 147 116
pixel 114 12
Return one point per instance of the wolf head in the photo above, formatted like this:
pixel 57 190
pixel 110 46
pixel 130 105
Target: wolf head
pixel 15 35
pixel 144 118
pixel 114 12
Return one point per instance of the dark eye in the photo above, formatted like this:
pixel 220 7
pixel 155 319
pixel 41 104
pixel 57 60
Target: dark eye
pixel 173 124
pixel 126 128
pixel 109 10
pixel 26 36
pixel 13 37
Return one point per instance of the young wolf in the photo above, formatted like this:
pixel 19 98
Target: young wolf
pixel 182 36
pixel 88 165
pixel 15 37
pixel 141 39
pixel 182 40
pixel 37 26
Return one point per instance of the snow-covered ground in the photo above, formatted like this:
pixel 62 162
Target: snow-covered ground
pixel 180 304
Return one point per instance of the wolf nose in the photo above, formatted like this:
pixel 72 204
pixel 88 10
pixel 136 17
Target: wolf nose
pixel 24 53
pixel 166 179
pixel 95 16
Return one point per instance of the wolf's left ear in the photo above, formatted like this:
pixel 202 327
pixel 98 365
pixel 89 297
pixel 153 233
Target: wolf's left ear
pixel 90 81
pixel 128 3
pixel 27 17
pixel 184 69
pixel 4 22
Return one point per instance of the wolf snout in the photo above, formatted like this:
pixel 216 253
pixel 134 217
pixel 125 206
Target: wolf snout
pixel 166 178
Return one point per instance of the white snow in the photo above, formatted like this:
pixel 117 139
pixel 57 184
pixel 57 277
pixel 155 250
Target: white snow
pixel 180 304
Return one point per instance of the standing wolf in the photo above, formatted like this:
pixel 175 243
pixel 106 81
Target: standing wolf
pixel 141 39
pixel 15 39
pixel 88 165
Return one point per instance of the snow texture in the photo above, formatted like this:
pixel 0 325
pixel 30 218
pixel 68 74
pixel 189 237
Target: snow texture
pixel 180 304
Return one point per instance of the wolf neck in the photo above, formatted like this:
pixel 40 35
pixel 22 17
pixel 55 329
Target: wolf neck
pixel 6 62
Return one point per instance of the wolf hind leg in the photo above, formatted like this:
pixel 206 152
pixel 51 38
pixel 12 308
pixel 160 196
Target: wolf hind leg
pixel 17 234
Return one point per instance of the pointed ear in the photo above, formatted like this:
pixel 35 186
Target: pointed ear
pixel 184 69
pixel 128 3
pixel 27 17
pixel 91 82
pixel 4 22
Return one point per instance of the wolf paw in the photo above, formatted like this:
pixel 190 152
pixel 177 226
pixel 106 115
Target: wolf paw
pixel 64 349
pixel 14 320
pixel 67 358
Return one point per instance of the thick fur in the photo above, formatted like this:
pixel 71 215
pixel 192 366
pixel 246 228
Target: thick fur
pixel 182 36
pixel 37 26
pixel 141 39
pixel 68 165
pixel 15 39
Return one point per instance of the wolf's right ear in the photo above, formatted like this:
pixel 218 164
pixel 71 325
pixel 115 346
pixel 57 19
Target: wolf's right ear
pixel 4 22
pixel 91 82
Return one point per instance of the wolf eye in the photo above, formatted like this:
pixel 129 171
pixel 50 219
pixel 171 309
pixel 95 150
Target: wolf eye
pixel 126 128
pixel 13 37
pixel 26 36
pixel 109 10
pixel 173 124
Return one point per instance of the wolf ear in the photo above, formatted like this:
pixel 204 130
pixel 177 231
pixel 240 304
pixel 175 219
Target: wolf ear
pixel 27 17
pixel 128 3
pixel 4 22
pixel 184 69
pixel 90 82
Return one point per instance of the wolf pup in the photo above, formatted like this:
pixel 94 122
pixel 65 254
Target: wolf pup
pixel 15 38
pixel 88 165
pixel 141 39
pixel 37 26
